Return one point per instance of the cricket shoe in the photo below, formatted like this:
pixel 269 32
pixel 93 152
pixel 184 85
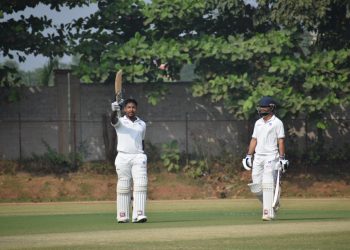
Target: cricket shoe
pixel 140 219
pixel 267 218
pixel 123 220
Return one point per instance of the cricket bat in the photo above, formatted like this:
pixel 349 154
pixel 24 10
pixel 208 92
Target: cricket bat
pixel 118 86
pixel 277 189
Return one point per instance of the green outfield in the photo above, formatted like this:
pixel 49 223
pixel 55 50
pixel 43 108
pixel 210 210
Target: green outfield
pixel 192 224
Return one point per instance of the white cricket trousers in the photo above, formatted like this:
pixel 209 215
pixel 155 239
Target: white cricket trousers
pixel 131 168
pixel 264 173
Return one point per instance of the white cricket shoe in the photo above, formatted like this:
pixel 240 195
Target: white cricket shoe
pixel 140 219
pixel 267 218
pixel 123 220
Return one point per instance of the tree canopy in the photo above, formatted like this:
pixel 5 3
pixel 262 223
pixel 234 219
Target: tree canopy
pixel 30 35
pixel 297 51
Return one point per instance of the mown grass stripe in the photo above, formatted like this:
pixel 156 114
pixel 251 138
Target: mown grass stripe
pixel 171 234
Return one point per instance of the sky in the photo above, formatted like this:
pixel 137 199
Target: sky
pixel 66 15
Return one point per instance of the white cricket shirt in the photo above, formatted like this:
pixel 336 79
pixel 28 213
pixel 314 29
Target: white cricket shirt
pixel 130 135
pixel 267 135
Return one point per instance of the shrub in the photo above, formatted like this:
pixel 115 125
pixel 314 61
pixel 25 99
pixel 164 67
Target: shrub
pixel 52 162
pixel 196 169
pixel 171 156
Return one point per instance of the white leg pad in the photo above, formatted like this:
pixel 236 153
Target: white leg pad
pixel 123 199
pixel 268 193
pixel 256 189
pixel 140 197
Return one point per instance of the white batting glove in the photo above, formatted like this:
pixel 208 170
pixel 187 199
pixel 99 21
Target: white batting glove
pixel 115 106
pixel 121 102
pixel 247 162
pixel 283 165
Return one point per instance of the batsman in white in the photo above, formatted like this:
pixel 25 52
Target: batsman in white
pixel 131 162
pixel 267 145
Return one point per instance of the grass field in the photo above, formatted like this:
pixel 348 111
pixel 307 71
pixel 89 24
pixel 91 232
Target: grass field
pixel 183 224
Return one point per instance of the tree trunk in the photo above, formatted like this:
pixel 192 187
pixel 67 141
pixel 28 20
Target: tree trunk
pixel 109 139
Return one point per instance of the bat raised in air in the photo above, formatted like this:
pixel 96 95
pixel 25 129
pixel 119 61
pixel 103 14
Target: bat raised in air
pixel 118 92
pixel 118 86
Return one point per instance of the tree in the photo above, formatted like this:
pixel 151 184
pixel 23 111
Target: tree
pixel 31 35
pixel 109 40
pixel 328 20
pixel 240 52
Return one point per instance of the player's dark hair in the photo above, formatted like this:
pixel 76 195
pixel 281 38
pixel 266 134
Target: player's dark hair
pixel 130 100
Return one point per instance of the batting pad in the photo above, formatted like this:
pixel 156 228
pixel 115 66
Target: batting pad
pixel 256 189
pixel 268 193
pixel 123 199
pixel 140 196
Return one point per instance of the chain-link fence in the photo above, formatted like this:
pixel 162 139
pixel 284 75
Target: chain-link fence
pixel 196 136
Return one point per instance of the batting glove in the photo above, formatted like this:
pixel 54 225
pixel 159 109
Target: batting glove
pixel 121 103
pixel 283 165
pixel 247 162
pixel 115 106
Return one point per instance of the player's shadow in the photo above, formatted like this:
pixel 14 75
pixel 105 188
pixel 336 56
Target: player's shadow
pixel 176 221
pixel 312 219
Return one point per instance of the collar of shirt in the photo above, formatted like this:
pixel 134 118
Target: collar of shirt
pixel 128 120
pixel 269 120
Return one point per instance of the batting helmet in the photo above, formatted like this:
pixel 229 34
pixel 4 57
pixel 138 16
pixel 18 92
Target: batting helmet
pixel 266 102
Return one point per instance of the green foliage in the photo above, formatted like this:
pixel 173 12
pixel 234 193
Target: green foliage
pixel 329 20
pixel 9 75
pixel 297 51
pixel 196 168
pixel 52 162
pixel 46 76
pixel 111 39
pixel 319 156
pixel 170 156
pixel 156 94
pixel 239 52
pixel 32 35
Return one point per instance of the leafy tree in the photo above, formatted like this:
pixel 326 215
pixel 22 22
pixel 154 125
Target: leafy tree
pixel 109 40
pixel 42 76
pixel 287 49
pixel 31 35
pixel 329 20
pixel 26 35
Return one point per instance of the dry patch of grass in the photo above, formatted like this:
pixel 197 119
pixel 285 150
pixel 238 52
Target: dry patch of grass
pixel 173 234
pixel 84 186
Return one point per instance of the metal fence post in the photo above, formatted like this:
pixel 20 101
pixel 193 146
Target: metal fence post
pixel 186 136
pixel 20 138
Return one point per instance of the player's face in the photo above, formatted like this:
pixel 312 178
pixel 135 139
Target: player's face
pixel 130 109
pixel 264 109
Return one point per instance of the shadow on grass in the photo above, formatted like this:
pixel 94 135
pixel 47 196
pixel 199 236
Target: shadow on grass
pixel 313 219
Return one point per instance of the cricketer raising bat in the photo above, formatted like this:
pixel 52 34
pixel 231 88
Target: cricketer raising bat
pixel 118 90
